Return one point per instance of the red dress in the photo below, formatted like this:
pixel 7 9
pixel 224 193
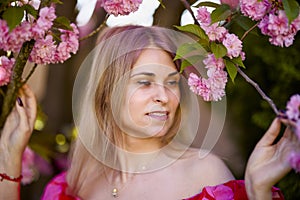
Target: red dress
pixel 231 190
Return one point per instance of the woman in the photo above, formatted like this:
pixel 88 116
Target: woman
pixel 135 119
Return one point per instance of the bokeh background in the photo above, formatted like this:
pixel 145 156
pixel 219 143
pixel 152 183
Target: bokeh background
pixel 276 70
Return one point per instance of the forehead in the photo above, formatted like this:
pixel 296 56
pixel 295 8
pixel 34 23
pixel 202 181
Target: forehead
pixel 154 57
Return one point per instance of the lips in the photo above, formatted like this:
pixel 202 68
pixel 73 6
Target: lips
pixel 159 115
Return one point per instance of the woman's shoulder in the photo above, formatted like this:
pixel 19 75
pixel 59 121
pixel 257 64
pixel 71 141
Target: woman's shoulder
pixel 204 165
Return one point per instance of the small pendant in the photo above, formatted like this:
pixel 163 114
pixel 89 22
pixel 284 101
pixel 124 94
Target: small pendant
pixel 115 192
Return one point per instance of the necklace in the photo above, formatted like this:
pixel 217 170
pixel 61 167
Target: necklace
pixel 114 192
pixel 142 168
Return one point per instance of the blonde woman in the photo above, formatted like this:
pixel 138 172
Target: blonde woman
pixel 136 120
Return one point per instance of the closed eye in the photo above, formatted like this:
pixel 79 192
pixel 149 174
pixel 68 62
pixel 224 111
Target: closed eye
pixel 144 82
pixel 174 82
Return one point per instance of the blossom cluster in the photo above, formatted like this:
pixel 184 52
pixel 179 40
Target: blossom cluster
pixel 293 114
pixel 6 66
pixel 120 7
pixel 273 21
pixel 218 33
pixel 213 87
pixel 46 50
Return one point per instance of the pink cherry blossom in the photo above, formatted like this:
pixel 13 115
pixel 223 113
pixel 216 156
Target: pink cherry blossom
pixel 194 81
pixel 120 7
pixel 233 45
pixel 69 44
pixel 294 160
pixel 293 112
pixel 254 9
pixel 212 62
pixel 6 66
pixel 215 32
pixel 43 51
pixel 44 22
pixel 18 36
pixel 213 87
pixel 203 16
pixel 3 33
pixel 293 107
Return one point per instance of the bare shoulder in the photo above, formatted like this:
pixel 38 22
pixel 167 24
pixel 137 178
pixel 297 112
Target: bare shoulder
pixel 206 168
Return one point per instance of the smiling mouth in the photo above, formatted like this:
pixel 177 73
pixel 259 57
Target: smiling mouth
pixel 159 115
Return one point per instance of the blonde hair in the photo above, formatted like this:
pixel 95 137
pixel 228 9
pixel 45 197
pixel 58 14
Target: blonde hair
pixel 95 118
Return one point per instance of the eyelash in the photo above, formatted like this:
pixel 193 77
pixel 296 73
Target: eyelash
pixel 144 82
pixel 148 83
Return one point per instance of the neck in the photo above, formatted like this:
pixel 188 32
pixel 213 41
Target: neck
pixel 142 145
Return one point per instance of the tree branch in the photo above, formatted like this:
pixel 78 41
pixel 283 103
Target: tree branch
pixel 16 81
pixel 259 90
pixel 188 7
pixel 96 30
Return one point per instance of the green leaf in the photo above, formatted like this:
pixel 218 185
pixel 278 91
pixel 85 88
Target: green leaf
pixel 189 49
pixel 208 4
pixel 220 13
pixel 291 8
pixel 190 61
pixel 194 29
pixel 231 69
pixel 204 44
pixel 31 10
pixel 219 50
pixel 13 16
pixel 63 23
pixel 245 22
pixel 238 61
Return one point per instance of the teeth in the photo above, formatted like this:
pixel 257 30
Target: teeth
pixel 159 114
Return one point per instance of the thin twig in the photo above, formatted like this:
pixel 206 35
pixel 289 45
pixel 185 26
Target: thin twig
pixel 188 7
pixel 96 30
pixel 259 90
pixel 30 73
pixel 248 31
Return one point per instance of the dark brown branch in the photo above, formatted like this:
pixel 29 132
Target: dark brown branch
pixel 16 81
pixel 30 73
pixel 248 31
pixel 259 90
pixel 96 30
pixel 188 7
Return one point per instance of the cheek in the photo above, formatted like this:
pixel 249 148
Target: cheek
pixel 175 96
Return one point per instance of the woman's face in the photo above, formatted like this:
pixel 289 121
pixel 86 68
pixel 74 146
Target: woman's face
pixel 152 95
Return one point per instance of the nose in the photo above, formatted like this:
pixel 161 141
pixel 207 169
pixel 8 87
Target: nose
pixel 161 94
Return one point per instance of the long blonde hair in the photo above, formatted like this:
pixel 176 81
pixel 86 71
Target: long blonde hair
pixel 99 133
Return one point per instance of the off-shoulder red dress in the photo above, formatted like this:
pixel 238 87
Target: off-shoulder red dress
pixel 232 190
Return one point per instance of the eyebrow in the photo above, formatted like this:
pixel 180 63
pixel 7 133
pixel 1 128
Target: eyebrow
pixel 152 74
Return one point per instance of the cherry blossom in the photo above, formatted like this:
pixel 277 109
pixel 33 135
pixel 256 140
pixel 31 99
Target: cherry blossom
pixel 120 7
pixel 213 87
pixel 6 66
pixel 233 45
